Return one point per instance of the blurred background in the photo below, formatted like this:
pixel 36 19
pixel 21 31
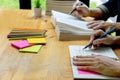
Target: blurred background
pixel 14 4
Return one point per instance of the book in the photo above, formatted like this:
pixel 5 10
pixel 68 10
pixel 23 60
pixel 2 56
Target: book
pixel 26 33
pixel 81 74
pixel 68 27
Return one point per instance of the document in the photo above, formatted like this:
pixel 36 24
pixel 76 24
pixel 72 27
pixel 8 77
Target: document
pixel 67 26
pixel 81 74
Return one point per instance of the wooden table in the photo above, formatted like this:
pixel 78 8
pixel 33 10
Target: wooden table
pixel 51 63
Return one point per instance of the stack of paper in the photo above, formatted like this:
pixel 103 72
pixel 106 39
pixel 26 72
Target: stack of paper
pixel 59 5
pixel 69 27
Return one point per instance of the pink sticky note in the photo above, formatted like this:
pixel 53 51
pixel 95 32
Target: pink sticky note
pixel 21 44
pixel 86 72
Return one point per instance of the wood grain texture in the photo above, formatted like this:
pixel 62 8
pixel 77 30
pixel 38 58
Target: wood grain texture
pixel 52 62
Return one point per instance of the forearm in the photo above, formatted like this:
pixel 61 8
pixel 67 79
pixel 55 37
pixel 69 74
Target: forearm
pixel 95 12
pixel 116 40
pixel 117 25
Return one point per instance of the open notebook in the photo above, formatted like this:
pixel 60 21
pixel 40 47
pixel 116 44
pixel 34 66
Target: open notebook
pixel 79 74
pixel 69 27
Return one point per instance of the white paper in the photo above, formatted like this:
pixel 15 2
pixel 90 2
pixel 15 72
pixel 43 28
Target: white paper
pixel 78 50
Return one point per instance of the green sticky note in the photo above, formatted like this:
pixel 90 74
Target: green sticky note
pixel 31 49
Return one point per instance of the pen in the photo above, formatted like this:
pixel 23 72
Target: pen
pixel 72 11
pixel 102 36
pixel 74 8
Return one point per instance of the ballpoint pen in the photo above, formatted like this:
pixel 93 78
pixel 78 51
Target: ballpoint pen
pixel 72 11
pixel 102 36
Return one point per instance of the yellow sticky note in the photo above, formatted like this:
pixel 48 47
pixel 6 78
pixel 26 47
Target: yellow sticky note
pixel 36 40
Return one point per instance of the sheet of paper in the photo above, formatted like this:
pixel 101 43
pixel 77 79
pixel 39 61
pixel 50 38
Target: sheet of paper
pixel 63 15
pixel 81 74
pixel 70 20
pixel 78 50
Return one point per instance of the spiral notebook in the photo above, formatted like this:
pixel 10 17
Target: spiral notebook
pixel 80 74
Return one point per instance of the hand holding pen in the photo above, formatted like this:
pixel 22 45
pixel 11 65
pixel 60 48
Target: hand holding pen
pixel 74 6
pixel 80 9
pixel 104 38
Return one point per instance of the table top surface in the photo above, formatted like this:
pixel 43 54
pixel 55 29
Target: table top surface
pixel 52 62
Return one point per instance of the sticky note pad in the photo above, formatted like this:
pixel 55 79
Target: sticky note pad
pixel 31 49
pixel 86 72
pixel 37 40
pixel 21 44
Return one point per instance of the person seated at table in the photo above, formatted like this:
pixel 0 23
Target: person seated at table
pixel 108 9
pixel 98 63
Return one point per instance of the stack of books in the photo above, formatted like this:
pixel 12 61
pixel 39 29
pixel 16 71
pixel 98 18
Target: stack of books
pixel 59 5
pixel 29 40
pixel 26 33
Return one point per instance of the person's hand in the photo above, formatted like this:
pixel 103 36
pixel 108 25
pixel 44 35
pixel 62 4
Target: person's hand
pixel 100 24
pixel 81 10
pixel 97 63
pixel 108 40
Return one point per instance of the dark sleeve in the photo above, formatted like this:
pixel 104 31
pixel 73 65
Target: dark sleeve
pixel 110 9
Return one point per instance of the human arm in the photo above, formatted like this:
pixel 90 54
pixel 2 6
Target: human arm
pixel 108 40
pixel 100 24
pixel 98 63
pixel 102 12
pixel 83 11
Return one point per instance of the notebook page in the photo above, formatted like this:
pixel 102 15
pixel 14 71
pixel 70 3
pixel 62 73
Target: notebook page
pixel 79 74
pixel 78 50
pixel 57 14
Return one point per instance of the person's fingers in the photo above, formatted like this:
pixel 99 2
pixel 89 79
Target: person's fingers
pixel 83 59
pixel 77 14
pixel 97 25
pixel 92 24
pixel 108 29
pixel 83 63
pixel 75 4
pixel 100 41
pixel 78 3
pixel 87 68
pixel 94 47
pixel 87 56
pixel 96 34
